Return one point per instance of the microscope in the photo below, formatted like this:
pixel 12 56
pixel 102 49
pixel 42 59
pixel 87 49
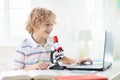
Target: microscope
pixel 56 55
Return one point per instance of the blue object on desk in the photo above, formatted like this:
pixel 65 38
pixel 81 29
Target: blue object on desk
pixel 83 71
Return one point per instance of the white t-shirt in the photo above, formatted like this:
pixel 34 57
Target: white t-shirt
pixel 29 53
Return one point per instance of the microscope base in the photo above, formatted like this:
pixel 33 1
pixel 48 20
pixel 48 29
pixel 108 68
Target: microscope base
pixel 57 67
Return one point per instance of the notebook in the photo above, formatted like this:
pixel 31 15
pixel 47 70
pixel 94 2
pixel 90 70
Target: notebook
pixel 98 65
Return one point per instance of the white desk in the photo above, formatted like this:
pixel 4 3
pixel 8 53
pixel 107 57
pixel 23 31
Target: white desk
pixel 113 73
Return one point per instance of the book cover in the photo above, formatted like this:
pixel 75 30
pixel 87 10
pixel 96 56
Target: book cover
pixel 81 77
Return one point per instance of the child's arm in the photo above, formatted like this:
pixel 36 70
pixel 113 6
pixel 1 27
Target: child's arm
pixel 67 60
pixel 37 66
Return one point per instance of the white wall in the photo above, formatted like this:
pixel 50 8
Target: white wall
pixel 6 55
pixel 112 23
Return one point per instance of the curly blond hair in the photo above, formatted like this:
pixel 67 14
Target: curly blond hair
pixel 37 16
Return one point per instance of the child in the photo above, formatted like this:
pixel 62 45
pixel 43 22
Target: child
pixel 34 52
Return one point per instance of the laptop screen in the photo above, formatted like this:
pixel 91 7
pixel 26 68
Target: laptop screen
pixel 109 46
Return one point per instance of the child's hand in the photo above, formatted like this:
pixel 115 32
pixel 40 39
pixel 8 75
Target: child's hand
pixel 42 65
pixel 80 61
pixel 38 66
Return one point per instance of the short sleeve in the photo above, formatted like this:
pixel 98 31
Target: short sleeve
pixel 18 58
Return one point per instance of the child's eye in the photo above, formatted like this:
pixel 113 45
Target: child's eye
pixel 49 24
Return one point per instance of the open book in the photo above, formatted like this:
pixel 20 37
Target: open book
pixel 47 75
pixel 28 75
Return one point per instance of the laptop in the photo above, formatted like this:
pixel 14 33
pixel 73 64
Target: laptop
pixel 99 65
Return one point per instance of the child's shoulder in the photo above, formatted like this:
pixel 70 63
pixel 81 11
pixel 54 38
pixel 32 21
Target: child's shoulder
pixel 27 40
pixel 24 42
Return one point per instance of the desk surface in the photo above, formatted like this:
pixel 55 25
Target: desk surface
pixel 113 73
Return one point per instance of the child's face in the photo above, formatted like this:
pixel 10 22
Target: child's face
pixel 44 29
